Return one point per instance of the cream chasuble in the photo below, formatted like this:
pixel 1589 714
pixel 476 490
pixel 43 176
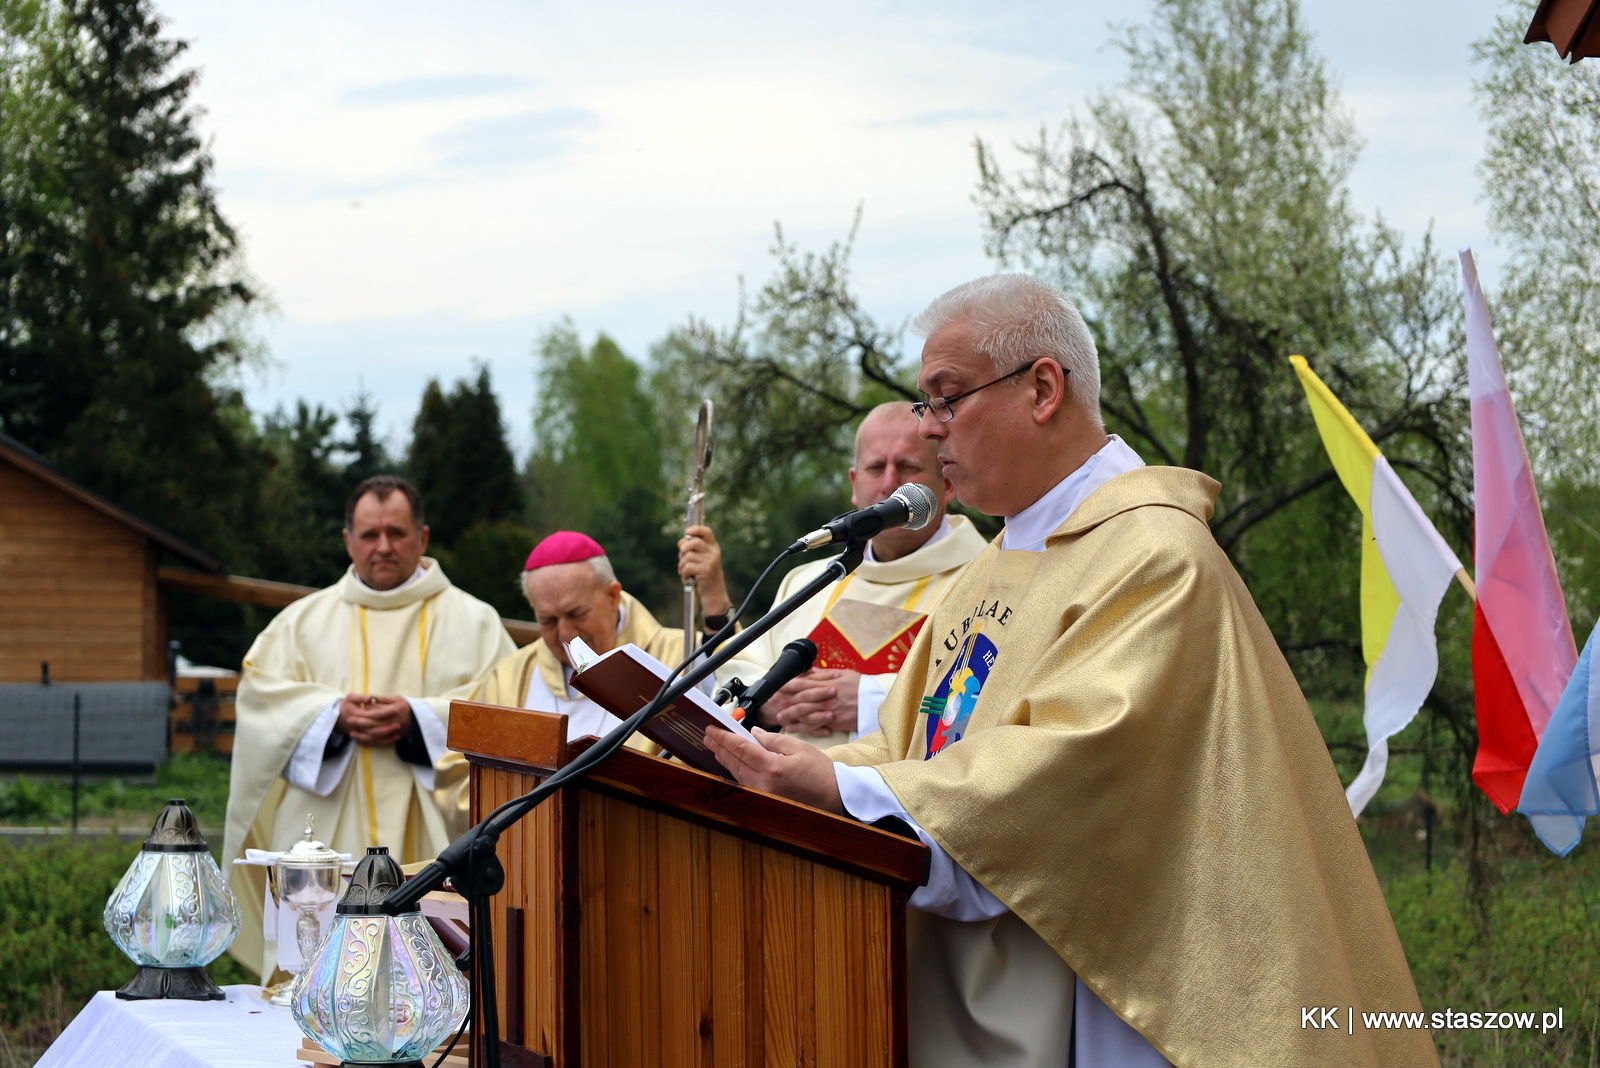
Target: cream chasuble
pixel 426 640
pixel 1106 737
pixel 512 683
pixel 871 617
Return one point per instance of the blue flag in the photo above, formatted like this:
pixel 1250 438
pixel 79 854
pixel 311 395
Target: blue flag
pixel 1560 790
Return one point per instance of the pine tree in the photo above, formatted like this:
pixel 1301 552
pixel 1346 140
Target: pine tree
pixel 365 447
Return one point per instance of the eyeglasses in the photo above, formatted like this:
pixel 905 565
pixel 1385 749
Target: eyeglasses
pixel 940 406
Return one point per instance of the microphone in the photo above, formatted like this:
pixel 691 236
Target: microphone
pixel 911 506
pixel 795 660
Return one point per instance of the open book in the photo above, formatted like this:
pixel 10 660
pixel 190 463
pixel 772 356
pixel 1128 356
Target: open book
pixel 624 680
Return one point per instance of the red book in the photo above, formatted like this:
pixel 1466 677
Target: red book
pixel 627 678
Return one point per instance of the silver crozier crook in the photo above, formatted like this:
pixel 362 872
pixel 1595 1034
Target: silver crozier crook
pixel 695 514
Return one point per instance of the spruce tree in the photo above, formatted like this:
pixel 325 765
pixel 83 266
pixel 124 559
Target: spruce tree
pixel 460 461
pixel 117 264
pixel 368 457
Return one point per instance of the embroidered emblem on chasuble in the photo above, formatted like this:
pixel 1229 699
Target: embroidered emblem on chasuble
pixel 950 706
pixel 870 638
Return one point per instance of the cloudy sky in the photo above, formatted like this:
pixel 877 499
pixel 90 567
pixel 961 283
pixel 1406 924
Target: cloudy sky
pixel 423 185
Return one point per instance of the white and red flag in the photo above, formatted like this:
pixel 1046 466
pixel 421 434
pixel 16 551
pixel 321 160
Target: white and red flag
pixel 1522 647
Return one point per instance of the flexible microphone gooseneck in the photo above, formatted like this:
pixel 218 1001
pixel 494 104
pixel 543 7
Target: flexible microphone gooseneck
pixel 911 506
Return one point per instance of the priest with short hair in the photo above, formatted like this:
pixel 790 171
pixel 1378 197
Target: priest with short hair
pixel 1141 853
pixel 862 626
pixel 344 702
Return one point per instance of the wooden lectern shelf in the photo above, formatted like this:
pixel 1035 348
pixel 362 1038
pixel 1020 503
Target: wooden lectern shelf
pixel 657 915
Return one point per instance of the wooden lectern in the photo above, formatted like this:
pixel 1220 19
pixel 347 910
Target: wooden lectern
pixel 657 915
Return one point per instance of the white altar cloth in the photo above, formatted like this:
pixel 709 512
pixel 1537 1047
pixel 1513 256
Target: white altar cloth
pixel 246 1031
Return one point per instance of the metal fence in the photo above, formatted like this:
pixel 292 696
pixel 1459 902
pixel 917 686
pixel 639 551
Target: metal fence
pixel 96 725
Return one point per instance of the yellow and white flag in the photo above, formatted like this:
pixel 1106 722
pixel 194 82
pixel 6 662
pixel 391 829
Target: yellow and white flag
pixel 1406 568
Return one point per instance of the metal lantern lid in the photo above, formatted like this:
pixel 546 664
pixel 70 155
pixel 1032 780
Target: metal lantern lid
pixel 376 877
pixel 309 853
pixel 175 831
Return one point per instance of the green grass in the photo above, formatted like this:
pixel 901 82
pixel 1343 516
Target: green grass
pixel 1530 941
pixel 201 780
pixel 1525 937
pixel 54 952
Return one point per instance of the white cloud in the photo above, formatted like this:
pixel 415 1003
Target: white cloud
pixel 419 185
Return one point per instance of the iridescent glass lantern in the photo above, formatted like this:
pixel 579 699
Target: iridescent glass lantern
pixel 381 989
pixel 172 913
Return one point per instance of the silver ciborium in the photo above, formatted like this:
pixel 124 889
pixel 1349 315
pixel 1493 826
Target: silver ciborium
pixel 306 878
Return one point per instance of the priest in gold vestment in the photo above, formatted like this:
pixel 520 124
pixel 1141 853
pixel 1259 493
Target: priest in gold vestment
pixel 1141 851
pixel 344 702
pixel 864 625
pixel 574 593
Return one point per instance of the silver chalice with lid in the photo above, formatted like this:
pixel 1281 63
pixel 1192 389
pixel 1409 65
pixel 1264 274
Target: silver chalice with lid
pixel 306 877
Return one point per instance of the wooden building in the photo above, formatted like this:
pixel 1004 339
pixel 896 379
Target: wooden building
pixel 83 582
pixel 78 579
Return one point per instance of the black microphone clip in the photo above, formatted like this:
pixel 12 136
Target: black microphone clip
pixel 795 660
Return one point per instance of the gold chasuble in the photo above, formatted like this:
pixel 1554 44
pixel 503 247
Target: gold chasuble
pixel 511 681
pixel 426 640
pixel 1106 736
pixel 867 622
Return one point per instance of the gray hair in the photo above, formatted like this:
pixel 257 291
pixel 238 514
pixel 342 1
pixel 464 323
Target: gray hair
pixel 1016 320
pixel 602 567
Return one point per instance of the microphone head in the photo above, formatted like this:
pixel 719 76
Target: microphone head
pixel 805 649
pixel 919 501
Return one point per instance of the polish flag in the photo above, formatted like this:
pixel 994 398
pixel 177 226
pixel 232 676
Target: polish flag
pixel 1522 647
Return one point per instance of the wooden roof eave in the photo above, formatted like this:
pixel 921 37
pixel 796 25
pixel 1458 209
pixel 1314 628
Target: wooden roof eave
pixel 1570 25
pixel 19 454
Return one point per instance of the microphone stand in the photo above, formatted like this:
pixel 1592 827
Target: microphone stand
pixel 470 864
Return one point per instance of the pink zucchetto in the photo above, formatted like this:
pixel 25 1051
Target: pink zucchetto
pixel 563 547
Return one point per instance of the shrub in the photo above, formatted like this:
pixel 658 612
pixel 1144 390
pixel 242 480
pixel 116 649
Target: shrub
pixel 54 953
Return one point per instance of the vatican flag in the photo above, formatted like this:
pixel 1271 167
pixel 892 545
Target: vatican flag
pixel 1405 569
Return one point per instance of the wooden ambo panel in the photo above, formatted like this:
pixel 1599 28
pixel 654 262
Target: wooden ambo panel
pixel 709 950
pixel 673 918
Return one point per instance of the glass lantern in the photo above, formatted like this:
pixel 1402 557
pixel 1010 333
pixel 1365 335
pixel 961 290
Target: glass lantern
pixel 306 878
pixel 172 913
pixel 381 989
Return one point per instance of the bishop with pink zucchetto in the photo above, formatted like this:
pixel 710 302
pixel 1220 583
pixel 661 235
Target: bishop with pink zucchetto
pixel 574 594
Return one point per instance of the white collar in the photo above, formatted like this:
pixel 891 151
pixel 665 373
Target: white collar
pixel 938 535
pixel 416 576
pixel 1027 530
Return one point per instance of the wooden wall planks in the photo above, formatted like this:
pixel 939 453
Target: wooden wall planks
pixel 532 855
pixel 708 950
pixel 694 947
pixel 79 591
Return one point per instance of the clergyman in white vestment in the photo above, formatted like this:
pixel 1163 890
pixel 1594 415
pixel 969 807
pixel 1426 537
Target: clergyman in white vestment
pixel 344 701
pixel 863 625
